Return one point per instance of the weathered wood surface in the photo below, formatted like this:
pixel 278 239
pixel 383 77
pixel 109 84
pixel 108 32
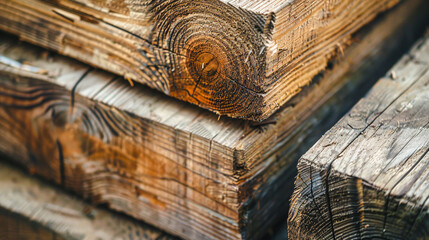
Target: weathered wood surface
pixel 241 58
pixel 171 164
pixel 31 209
pixel 368 177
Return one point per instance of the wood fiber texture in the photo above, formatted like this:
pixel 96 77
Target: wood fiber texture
pixel 368 177
pixel 243 59
pixel 171 164
pixel 31 209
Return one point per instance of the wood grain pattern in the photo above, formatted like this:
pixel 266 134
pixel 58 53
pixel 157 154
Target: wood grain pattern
pixel 368 176
pixel 31 210
pixel 171 164
pixel 243 59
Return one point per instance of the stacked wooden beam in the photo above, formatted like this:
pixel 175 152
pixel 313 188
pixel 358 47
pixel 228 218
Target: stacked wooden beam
pixel 238 58
pixel 368 177
pixel 31 209
pixel 171 164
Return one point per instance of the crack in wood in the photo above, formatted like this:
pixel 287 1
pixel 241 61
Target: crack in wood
pixel 312 194
pixel 328 200
pixel 73 91
pixel 61 162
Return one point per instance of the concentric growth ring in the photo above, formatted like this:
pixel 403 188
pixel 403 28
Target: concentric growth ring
pixel 214 50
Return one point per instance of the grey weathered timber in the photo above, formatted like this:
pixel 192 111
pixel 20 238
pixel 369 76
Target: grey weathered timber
pixel 368 177
pixel 169 163
pixel 31 209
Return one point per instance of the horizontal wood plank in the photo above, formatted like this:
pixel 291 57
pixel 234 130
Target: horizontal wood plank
pixel 243 59
pixel 31 209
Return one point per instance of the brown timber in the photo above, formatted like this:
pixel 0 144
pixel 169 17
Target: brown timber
pixel 31 209
pixel 241 58
pixel 172 164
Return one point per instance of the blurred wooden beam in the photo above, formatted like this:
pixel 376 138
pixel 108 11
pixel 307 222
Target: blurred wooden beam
pixel 31 209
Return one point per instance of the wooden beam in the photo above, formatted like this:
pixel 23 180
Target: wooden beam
pixel 31 209
pixel 61 215
pixel 172 164
pixel 243 59
pixel 368 177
